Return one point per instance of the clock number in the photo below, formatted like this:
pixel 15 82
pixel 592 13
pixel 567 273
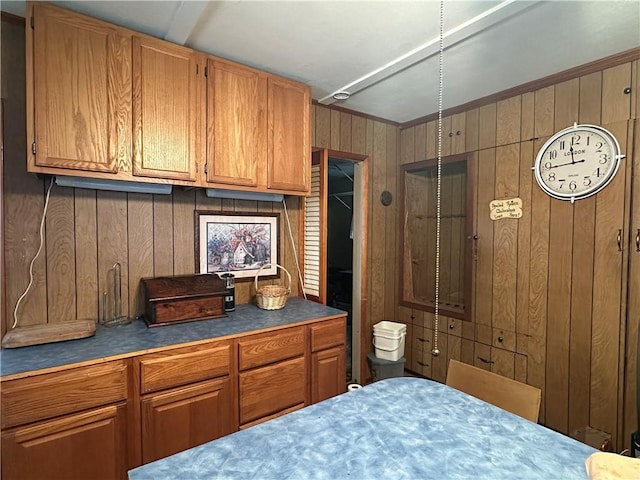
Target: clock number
pixel 572 186
pixel 562 146
pixel 575 140
pixel 551 177
pixel 553 154
pixel 597 172
pixel 599 147
pixel 587 181
pixel 604 158
pixel 548 165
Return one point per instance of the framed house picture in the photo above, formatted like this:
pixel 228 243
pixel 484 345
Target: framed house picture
pixel 236 242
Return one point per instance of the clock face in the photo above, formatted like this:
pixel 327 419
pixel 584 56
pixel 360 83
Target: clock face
pixel 577 162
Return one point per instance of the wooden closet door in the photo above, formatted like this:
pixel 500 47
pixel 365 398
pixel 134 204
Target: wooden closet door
pixel 165 109
pixel 236 124
pixel 82 87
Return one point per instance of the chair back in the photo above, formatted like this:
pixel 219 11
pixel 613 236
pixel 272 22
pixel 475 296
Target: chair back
pixel 511 395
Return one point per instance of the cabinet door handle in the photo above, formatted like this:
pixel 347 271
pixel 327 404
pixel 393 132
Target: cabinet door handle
pixel 484 360
pixel 638 240
pixel 619 240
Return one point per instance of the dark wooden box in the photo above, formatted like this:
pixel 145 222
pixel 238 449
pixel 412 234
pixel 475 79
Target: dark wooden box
pixel 183 298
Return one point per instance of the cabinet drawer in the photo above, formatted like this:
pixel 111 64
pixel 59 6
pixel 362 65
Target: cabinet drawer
pixel 271 347
pixel 53 394
pixel 328 334
pixel 265 391
pixel 184 365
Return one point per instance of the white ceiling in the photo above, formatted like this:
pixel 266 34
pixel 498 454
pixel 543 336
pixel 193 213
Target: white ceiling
pixel 386 53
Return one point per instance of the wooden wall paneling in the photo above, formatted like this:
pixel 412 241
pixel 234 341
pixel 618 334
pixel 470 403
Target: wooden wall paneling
pixel 607 300
pixel 482 356
pixel 446 237
pixel 584 214
pixel 141 249
pixel 358 134
pixel 447 137
pixel 538 279
pixel 335 130
pixel 86 241
pixel 560 268
pixel 378 235
pixel 484 243
pixel 616 105
pixel 391 223
pixel 505 240
pixel 544 112
pixel 162 235
pixel 454 348
pixel 419 142
pixel 183 232
pixel 466 351
pixel 633 305
pixel 471 130
pixel 458 144
pixel 323 127
pixel 432 142
pixel 527 156
pixel 61 256
pixel 527 119
pixel 112 248
pixel 458 236
pixel 520 368
pixel 206 203
pixel 503 362
pixel 635 89
pixel 407 146
pixel 590 98
pixel 244 288
pixel 345 132
pixel 487 126
pixel 372 247
pixel 3 285
pixel 508 118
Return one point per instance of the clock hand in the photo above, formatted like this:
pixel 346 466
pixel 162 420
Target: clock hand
pixel 565 164
pixel 571 152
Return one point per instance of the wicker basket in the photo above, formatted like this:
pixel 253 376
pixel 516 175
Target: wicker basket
pixel 272 297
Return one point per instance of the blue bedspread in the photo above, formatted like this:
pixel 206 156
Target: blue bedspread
pixel 398 428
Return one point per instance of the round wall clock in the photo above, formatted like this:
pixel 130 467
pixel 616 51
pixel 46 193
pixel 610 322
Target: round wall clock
pixel 577 162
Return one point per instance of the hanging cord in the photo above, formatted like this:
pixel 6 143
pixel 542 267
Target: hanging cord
pixel 24 294
pixel 293 245
pixel 435 352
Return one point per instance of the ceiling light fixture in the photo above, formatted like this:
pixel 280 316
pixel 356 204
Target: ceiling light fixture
pixel 341 95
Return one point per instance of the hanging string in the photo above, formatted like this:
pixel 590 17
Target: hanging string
pixel 435 352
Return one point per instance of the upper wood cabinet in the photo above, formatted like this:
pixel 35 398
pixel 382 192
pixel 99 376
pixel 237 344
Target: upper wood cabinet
pixel 236 124
pixel 165 109
pixel 78 92
pixel 288 137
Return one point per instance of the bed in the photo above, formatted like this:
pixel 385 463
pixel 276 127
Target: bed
pixel 397 428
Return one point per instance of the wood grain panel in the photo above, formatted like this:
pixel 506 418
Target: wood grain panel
pixel 484 244
pixel 524 237
pixel 112 248
pixel 345 132
pixel 505 238
pixel 544 110
pixel 472 118
pixel 432 144
pixel 358 134
pixel 323 127
pixel 527 119
pixel 447 137
pixel 61 256
pixel 503 362
pixel 590 98
pixel 162 235
pixel 567 98
pixel 538 279
pixel 458 124
pixel 508 117
pixel 616 105
pixel 183 232
pixel 335 130
pixel 419 143
pixel 86 259
pixel 378 212
pixel 607 272
pixel 391 219
pixel 407 149
pixel 141 248
pixel 487 126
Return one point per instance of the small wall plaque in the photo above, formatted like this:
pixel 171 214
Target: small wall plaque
pixel 505 208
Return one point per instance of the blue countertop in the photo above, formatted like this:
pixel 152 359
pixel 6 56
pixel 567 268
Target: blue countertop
pixel 135 337
pixel 400 428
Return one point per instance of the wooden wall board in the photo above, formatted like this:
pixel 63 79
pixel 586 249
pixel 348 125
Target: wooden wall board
pixel 407 145
pixel 323 127
pixel 472 129
pixel 616 105
pixel 543 108
pixel 508 117
pixel 484 244
pixel 335 130
pixel 358 134
pixel 527 157
pixel 345 132
pixel 162 235
pixel 590 101
pixel 391 222
pixel 487 126
pixel 527 119
pixel 183 232
pixel 140 237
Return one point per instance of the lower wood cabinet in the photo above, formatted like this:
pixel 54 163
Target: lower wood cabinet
pixel 86 445
pixel 185 417
pixel 328 374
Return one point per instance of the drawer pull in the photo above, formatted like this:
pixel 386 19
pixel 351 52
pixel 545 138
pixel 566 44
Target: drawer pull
pixel 484 360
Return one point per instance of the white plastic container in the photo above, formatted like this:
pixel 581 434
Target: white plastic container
pixel 388 340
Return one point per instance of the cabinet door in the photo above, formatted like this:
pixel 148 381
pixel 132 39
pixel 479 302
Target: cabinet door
pixel 165 109
pixel 92 445
pixel 81 92
pixel 289 151
pixel 328 374
pixel 183 418
pixel 236 124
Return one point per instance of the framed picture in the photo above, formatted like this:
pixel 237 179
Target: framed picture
pixel 236 243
